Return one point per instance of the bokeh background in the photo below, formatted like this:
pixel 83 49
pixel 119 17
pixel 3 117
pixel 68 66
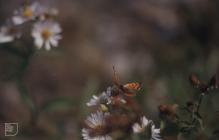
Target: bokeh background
pixel 158 43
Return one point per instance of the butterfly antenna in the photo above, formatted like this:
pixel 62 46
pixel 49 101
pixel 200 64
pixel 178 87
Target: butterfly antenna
pixel 115 77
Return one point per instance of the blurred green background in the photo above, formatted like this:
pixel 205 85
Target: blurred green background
pixel 158 43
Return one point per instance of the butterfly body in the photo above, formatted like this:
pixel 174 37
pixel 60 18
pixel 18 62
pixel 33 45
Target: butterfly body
pixel 128 89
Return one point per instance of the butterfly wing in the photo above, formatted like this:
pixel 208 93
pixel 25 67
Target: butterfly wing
pixel 130 89
pixel 133 86
pixel 129 93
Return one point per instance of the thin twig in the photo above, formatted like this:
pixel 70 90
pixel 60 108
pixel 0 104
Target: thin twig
pixel 199 102
pixel 198 107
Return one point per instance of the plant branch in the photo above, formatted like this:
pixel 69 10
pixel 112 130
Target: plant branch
pixel 199 102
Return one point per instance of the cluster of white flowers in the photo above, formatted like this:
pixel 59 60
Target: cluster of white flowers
pixel 45 30
pixel 97 121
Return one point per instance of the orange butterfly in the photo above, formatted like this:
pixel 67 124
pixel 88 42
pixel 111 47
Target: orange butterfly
pixel 128 89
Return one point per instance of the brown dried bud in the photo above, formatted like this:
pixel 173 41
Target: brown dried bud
pixel 204 88
pixel 213 83
pixel 194 80
pixel 168 111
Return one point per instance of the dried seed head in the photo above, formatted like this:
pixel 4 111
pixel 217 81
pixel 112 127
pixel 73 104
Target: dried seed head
pixel 213 83
pixel 203 87
pixel 194 80
pixel 168 111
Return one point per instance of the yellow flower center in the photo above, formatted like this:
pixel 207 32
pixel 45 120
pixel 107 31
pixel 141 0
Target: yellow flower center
pixel 103 107
pixel 46 34
pixel 28 13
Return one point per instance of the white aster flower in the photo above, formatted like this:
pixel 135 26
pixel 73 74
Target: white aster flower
pixel 145 123
pixel 26 13
pixel 96 119
pixel 155 133
pixel 93 101
pixel 86 136
pixel 95 123
pixel 46 33
pixel 5 35
pixel 46 12
pixel 138 128
pixel 104 98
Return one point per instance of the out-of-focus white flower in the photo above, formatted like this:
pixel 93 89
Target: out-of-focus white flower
pixel 46 33
pixel 96 119
pixel 104 98
pixel 138 128
pixel 5 35
pixel 95 122
pixel 86 136
pixel 26 13
pixel 155 133
pixel 32 12
pixel 46 12
pixel 93 101
pixel 145 123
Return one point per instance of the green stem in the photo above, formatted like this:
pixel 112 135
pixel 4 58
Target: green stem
pixel 199 102
pixel 196 112
pixel 26 98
